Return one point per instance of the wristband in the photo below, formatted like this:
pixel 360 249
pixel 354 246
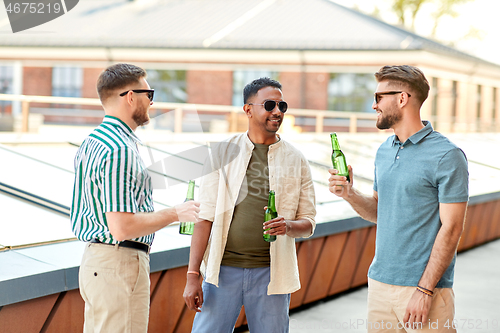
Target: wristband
pixel 428 292
pixel 193 272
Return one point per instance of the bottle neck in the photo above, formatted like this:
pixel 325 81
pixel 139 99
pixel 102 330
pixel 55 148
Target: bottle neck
pixel 335 142
pixel 271 201
pixel 190 193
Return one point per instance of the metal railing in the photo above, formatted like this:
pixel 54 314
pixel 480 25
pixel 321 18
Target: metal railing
pixel 179 109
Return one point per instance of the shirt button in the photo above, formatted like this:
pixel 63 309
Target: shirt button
pixel 397 158
pixel 402 147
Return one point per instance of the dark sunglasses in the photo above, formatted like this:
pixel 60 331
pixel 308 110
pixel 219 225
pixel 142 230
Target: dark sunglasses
pixel 377 95
pixel 151 92
pixel 270 105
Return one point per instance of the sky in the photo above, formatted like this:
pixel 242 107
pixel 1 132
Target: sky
pixel 481 15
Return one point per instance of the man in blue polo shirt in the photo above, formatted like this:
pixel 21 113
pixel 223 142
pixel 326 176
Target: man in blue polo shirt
pixel 419 202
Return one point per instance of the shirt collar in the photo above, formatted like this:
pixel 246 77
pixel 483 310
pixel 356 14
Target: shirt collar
pixel 417 137
pixel 251 146
pixel 118 123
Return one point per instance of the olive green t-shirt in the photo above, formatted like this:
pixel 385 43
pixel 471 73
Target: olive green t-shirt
pixel 245 246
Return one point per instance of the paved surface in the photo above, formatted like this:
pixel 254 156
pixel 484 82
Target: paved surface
pixel 477 291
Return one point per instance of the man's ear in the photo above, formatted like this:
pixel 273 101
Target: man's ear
pixel 129 98
pixel 403 100
pixel 248 110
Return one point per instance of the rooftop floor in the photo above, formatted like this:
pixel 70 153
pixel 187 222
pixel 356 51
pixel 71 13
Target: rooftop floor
pixel 51 151
pixel 477 295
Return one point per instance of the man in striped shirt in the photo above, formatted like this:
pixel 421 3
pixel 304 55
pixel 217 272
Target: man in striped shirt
pixel 112 208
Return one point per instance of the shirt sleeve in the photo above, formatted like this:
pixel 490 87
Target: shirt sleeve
pixel 453 177
pixel 307 200
pixel 209 188
pixel 119 177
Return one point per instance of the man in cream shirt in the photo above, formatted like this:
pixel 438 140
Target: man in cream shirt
pixel 238 266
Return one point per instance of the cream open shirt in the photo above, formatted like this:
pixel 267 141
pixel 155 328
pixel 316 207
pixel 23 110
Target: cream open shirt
pixel 289 177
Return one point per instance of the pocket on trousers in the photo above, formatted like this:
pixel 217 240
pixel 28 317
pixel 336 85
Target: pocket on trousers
pixel 447 296
pixel 130 272
pixel 440 300
pixel 96 278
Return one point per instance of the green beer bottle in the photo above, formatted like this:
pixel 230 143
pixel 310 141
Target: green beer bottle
pixel 270 214
pixel 338 158
pixel 186 228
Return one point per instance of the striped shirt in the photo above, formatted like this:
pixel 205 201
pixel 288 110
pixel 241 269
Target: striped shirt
pixel 110 176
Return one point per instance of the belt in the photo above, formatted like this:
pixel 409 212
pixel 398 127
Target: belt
pixel 129 244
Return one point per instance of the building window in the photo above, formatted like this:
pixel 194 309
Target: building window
pixel 67 81
pixel 6 87
pixel 478 102
pixel 351 92
pixel 454 97
pixel 434 92
pixel 494 106
pixel 169 85
pixel 243 77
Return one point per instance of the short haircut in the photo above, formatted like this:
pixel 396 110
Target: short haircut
pixel 117 76
pixel 253 87
pixel 407 76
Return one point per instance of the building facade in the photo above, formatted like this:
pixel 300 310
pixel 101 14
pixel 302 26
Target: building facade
pixel 323 54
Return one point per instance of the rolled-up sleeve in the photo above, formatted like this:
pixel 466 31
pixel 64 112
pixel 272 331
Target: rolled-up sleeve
pixel 208 190
pixel 307 199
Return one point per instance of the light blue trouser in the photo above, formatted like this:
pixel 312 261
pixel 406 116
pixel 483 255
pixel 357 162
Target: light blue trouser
pixel 237 287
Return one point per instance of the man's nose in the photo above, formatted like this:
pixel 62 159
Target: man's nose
pixel 276 110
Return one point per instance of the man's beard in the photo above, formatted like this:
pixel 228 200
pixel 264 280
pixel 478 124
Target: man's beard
pixel 388 121
pixel 140 116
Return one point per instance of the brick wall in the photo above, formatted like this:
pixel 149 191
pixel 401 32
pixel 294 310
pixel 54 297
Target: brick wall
pixel 292 88
pixel 89 90
pixel 37 81
pixel 90 76
pixel 210 87
pixel 315 86
pixel 316 91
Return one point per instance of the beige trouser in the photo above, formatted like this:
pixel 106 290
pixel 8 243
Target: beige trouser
pixel 387 306
pixel 114 283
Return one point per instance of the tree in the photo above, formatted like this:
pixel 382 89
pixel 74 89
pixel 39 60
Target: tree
pixel 445 7
pixel 401 7
pixel 410 8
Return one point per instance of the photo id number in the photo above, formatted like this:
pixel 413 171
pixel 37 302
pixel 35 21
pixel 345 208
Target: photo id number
pixel 34 7
pixel 472 324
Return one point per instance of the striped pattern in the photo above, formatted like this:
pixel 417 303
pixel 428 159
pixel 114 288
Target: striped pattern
pixel 110 176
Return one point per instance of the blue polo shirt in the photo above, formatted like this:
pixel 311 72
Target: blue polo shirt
pixel 411 179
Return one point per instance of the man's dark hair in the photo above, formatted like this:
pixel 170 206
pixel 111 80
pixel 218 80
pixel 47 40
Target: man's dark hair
pixel 253 87
pixel 117 76
pixel 408 77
